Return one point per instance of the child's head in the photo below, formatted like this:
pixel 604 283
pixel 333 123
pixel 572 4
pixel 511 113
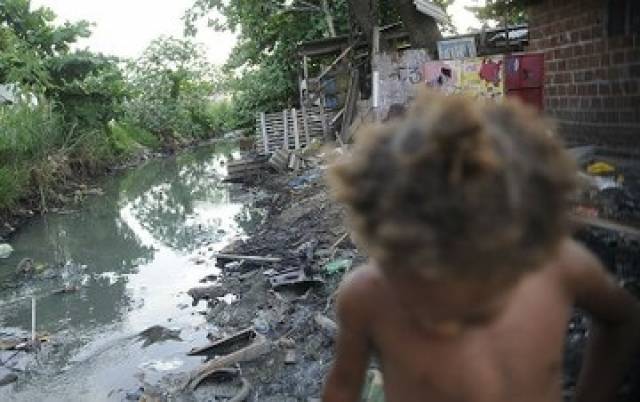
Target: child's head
pixel 458 190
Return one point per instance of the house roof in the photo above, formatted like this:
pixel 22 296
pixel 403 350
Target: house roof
pixel 434 11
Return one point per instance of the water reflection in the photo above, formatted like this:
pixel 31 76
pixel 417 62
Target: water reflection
pixel 130 252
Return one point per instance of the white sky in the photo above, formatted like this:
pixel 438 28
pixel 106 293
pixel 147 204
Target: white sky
pixel 125 27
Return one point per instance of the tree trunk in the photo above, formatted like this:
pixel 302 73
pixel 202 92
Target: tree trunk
pixel 423 30
pixel 329 18
pixel 365 13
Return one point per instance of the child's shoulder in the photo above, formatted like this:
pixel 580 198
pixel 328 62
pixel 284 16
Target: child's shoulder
pixel 362 280
pixel 358 288
pixel 578 267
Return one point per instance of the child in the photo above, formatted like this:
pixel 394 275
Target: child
pixel 463 209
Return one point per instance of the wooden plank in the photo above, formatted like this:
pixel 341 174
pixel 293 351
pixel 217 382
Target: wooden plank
pixel 285 130
pixel 264 133
pixel 376 40
pixel 350 107
pixel 334 63
pixel 325 128
pixel 227 345
pixel 296 130
pixel 234 257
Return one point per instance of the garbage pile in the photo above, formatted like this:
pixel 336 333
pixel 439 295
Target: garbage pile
pixel 274 340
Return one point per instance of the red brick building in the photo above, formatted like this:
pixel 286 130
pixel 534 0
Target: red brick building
pixel 592 68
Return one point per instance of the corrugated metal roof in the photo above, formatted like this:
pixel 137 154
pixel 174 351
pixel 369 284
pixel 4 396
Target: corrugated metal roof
pixel 432 10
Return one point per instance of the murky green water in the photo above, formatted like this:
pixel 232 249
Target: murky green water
pixel 133 253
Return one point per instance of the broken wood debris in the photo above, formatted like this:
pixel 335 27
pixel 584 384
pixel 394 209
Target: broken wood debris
pixel 226 345
pixel 22 343
pixel 280 160
pixel 259 347
pixel 296 279
pixel 238 171
pixel 335 245
pixel 66 290
pixel 224 258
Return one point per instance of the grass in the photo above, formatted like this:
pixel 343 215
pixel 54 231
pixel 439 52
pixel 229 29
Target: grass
pixel 40 152
pixel 12 186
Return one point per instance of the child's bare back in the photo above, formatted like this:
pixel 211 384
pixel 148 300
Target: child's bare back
pixel 478 327
pixel 490 346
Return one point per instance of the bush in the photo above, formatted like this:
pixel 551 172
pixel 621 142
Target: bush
pixel 171 84
pixel 29 132
pixel 12 186
pixel 222 118
pixel 139 135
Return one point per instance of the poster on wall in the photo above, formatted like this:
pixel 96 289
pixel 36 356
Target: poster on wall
pixel 480 77
pixel 483 77
pixel 443 76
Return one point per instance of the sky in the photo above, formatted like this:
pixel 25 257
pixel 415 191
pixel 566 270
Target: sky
pixel 125 27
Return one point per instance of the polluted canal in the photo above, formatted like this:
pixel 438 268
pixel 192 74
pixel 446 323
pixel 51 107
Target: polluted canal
pixel 117 267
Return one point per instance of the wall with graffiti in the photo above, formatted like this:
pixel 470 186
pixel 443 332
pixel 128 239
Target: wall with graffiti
pixel 480 77
pixel 400 75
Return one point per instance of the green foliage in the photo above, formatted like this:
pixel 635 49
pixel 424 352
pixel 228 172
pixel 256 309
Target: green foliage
pixel 28 132
pixel 447 28
pixel 222 116
pixel 262 69
pixel 497 12
pixel 12 186
pixel 88 88
pixel 28 37
pixel 138 135
pixel 171 85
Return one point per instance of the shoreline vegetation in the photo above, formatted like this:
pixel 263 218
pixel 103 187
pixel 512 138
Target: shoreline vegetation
pixel 69 116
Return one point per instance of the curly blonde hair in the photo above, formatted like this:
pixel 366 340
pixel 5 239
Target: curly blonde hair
pixel 458 189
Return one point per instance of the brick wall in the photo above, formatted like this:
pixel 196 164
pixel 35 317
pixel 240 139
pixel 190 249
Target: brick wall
pixel 592 81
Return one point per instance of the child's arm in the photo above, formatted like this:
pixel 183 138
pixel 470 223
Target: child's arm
pixel 614 336
pixel 345 381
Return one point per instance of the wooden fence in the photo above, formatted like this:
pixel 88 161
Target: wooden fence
pixel 291 129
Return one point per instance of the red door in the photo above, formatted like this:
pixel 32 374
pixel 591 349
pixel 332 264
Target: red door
pixel 525 78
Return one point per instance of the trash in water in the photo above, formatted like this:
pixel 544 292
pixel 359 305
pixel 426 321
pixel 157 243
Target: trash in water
pixel 339 265
pixel 5 250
